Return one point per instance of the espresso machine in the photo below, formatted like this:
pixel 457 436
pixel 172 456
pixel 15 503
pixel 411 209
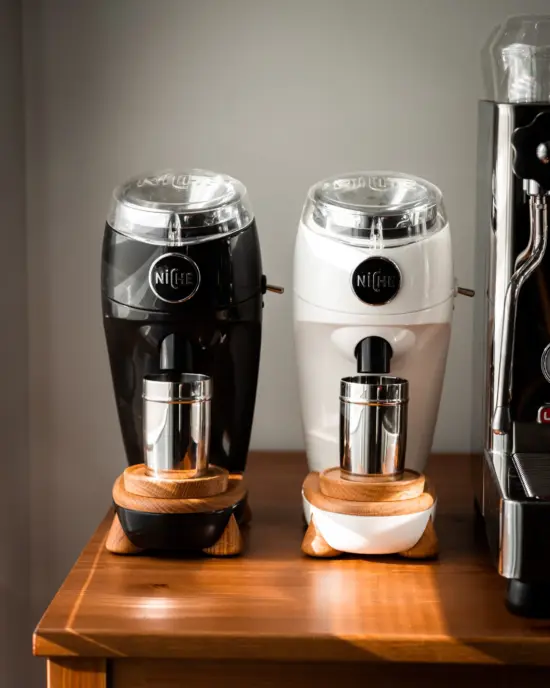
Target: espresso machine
pixel 182 295
pixel 374 291
pixel 511 410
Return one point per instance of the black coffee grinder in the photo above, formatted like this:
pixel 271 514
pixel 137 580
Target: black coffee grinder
pixel 182 293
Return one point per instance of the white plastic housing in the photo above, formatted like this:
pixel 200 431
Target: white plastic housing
pixel 330 320
pixel 369 534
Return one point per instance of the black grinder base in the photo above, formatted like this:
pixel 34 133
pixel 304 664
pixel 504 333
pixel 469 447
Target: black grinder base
pixel 181 513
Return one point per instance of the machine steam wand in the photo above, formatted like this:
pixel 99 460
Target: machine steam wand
pixel 531 165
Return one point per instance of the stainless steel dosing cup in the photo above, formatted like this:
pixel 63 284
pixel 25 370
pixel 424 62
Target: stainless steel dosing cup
pixel 176 423
pixel 373 426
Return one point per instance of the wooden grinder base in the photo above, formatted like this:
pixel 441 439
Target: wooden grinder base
pixel 180 494
pixel 331 492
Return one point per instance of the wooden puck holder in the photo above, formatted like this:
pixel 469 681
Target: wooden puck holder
pixel 180 492
pixel 331 492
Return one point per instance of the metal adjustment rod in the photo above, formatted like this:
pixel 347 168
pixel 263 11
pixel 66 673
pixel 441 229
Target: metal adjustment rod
pixel 271 287
pixel 530 144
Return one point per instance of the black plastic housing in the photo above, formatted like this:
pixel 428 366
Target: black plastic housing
pixel 217 332
pixel 191 532
pixel 373 355
pixel 529 599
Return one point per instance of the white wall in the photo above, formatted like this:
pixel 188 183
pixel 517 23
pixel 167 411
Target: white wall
pixel 15 628
pixel 278 94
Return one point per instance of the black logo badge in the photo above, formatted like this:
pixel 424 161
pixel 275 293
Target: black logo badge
pixel 174 278
pixel 376 281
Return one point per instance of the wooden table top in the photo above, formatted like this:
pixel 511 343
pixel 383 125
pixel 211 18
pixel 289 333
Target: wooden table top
pixel 275 604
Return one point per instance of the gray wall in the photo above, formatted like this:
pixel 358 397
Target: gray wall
pixel 15 629
pixel 279 94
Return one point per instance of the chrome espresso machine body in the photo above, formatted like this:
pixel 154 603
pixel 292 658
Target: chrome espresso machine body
pixel 511 410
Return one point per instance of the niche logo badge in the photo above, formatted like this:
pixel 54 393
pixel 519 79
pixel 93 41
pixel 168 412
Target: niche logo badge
pixel 376 281
pixel 174 278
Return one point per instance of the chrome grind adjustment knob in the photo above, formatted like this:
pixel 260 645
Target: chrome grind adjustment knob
pixel 545 363
pixel 531 145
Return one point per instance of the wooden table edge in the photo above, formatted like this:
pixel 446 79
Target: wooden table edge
pixel 319 648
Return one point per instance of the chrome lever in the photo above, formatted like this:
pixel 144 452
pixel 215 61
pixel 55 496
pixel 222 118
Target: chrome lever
pixel 530 260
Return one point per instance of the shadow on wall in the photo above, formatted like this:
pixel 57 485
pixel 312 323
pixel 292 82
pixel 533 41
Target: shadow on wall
pixel 15 625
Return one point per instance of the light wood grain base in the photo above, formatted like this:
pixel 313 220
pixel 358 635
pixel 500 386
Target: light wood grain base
pixel 398 507
pixel 117 540
pixel 427 547
pixel 315 545
pixel 230 543
pixel 236 492
pixel 179 485
pixel 333 483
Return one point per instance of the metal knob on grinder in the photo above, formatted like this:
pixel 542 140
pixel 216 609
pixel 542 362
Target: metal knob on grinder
pixel 373 427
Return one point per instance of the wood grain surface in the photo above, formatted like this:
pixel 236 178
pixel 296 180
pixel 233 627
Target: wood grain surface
pixel 333 484
pixel 180 484
pixel 236 490
pixel 275 604
pixel 81 673
pixel 399 507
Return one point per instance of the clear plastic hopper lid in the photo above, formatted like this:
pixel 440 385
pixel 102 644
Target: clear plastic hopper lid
pixel 516 61
pixel 175 208
pixel 375 209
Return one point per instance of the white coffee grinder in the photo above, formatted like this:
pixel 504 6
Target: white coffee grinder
pixel 374 291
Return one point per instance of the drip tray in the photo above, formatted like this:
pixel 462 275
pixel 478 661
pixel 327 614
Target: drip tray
pixel 534 473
